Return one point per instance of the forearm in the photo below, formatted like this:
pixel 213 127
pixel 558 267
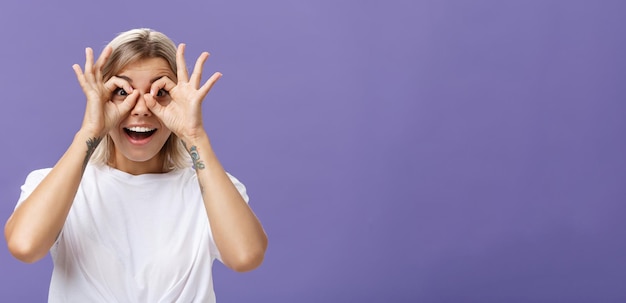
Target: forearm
pixel 34 225
pixel 237 231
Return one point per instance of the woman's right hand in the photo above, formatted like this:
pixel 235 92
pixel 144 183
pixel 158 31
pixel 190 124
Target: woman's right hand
pixel 101 113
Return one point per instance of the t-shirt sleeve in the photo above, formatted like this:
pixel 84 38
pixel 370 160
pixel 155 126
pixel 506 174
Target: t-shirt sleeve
pixel 240 187
pixel 32 181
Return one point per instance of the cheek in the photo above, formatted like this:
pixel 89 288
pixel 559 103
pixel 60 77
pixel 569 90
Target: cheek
pixel 165 135
pixel 163 130
pixel 115 136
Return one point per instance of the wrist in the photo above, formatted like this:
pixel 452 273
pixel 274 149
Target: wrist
pixel 85 134
pixel 199 149
pixel 87 141
pixel 192 138
pixel 92 130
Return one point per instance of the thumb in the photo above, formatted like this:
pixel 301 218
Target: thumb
pixel 153 105
pixel 129 102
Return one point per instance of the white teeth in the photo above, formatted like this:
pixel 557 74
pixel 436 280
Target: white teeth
pixel 139 129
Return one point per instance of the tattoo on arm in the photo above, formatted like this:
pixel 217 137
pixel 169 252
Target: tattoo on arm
pixel 92 143
pixel 195 157
pixel 197 163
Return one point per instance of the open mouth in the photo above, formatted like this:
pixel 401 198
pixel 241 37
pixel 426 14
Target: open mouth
pixel 139 133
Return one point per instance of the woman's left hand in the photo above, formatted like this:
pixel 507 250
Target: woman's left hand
pixel 182 113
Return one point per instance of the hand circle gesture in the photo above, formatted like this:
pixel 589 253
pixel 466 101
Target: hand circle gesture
pixel 102 114
pixel 183 113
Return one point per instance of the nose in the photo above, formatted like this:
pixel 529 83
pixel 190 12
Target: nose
pixel 141 109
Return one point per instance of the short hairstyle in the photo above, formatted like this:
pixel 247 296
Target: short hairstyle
pixel 129 47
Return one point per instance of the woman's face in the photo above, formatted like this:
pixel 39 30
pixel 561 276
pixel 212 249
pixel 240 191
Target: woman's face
pixel 140 136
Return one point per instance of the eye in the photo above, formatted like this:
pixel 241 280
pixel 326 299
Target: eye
pixel 120 92
pixel 161 93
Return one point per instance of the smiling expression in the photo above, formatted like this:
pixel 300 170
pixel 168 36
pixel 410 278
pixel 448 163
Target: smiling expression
pixel 140 136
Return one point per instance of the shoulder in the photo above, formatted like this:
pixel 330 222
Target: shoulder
pixel 32 181
pixel 35 176
pixel 190 178
pixel 240 187
pixel 40 172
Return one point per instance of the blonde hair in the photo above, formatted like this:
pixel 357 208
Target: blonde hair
pixel 132 46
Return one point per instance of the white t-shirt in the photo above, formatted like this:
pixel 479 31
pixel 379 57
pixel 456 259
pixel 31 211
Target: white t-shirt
pixel 128 238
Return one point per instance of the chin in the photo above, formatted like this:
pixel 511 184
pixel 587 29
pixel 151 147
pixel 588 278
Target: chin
pixel 143 158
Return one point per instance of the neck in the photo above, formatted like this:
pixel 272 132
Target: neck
pixel 152 166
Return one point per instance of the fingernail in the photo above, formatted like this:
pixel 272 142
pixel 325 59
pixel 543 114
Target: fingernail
pixel 152 92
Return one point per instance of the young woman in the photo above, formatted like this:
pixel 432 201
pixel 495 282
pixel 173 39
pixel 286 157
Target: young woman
pixel 139 206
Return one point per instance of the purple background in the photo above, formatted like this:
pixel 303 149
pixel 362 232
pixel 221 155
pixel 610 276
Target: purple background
pixel 395 151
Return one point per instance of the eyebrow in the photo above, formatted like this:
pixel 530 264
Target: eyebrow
pixel 131 80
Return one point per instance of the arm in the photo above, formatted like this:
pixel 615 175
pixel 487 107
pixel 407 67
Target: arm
pixel 35 224
pixel 238 233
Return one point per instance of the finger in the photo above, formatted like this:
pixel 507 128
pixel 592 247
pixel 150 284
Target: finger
pixel 181 71
pixel 79 75
pixel 162 83
pixel 88 61
pixel 116 82
pixel 128 103
pixel 153 105
pixel 104 56
pixel 209 83
pixel 196 75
